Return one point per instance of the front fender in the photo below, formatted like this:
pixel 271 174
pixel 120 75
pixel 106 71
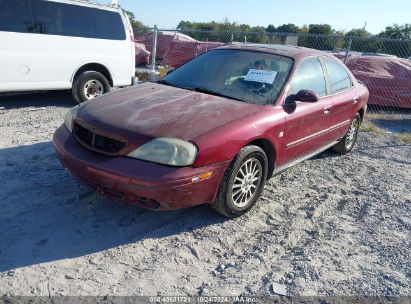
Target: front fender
pixel 224 142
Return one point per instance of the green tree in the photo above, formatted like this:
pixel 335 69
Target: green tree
pixel 288 28
pixel 304 29
pixel 358 33
pixel 258 35
pixel 184 25
pixel 271 29
pixel 397 31
pixel 358 44
pixel 138 27
pixel 400 47
pixel 222 31
pixel 276 35
pixel 320 29
pixel 318 42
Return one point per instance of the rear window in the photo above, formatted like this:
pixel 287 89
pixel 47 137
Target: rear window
pixel 73 20
pixel 15 16
pixel 54 18
pixel 338 76
pixel 309 76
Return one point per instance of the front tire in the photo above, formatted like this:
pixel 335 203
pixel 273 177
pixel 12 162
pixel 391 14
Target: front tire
pixel 243 182
pixel 347 143
pixel 89 85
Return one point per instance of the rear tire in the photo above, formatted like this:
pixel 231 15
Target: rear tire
pixel 347 143
pixel 242 183
pixel 89 85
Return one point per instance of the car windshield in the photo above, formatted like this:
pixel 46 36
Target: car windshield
pixel 248 76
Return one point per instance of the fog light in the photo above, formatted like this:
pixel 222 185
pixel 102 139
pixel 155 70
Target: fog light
pixel 202 177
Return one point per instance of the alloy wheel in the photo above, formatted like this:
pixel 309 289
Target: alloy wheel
pixel 247 182
pixel 352 133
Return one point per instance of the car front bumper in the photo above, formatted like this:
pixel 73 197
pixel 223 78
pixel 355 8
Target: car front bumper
pixel 148 185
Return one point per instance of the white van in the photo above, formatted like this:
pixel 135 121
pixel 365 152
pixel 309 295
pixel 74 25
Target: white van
pixel 62 44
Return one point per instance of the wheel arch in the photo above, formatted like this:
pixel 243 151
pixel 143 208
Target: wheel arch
pixel 97 67
pixel 362 113
pixel 268 147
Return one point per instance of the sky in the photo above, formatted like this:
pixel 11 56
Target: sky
pixel 341 15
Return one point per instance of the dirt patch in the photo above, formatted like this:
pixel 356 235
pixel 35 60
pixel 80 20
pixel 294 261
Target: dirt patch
pixel 381 124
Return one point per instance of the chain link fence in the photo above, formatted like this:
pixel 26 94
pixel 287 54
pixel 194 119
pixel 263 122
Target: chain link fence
pixel 383 65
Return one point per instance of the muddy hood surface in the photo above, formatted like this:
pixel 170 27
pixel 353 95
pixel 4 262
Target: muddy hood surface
pixel 154 110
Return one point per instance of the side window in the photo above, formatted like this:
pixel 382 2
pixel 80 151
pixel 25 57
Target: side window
pixel 107 25
pixel 15 16
pixel 47 17
pixel 56 18
pixel 338 76
pixel 309 76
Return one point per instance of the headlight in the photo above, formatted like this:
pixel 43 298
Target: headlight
pixel 167 151
pixel 68 119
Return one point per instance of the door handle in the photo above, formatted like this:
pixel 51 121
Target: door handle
pixel 355 100
pixel 327 110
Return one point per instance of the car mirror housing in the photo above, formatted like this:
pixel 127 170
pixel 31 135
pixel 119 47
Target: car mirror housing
pixel 307 96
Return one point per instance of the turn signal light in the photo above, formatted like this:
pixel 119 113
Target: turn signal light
pixel 202 177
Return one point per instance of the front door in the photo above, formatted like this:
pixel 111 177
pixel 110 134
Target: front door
pixel 307 127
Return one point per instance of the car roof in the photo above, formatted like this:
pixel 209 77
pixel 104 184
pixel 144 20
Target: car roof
pixel 295 52
pixel 89 4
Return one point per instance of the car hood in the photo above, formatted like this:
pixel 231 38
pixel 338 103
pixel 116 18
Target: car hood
pixel 155 110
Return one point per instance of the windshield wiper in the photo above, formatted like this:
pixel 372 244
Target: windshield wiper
pixel 170 84
pixel 197 89
pixel 207 91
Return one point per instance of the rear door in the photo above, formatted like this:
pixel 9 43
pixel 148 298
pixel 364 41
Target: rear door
pixel 342 90
pixel 307 128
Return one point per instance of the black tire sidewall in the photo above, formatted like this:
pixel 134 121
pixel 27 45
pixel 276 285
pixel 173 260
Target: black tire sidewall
pixel 341 146
pixel 244 155
pixel 82 79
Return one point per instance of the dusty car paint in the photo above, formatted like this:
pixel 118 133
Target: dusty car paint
pixel 138 182
pixel 218 126
pixel 157 110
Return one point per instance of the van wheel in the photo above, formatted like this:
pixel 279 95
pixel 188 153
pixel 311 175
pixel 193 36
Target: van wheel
pixel 243 182
pixel 89 85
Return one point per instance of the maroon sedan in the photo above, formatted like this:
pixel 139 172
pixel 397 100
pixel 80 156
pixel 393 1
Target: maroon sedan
pixel 214 130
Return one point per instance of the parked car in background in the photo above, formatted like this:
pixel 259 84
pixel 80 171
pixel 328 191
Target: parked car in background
pixel 58 45
pixel 214 130
pixel 387 77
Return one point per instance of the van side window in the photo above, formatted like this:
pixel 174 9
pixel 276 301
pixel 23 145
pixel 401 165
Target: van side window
pixel 54 18
pixel 338 76
pixel 15 16
pixel 309 76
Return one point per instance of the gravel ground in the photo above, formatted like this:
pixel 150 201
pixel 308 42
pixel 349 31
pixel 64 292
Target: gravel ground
pixel 330 226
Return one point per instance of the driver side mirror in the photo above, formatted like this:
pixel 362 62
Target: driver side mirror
pixel 307 96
